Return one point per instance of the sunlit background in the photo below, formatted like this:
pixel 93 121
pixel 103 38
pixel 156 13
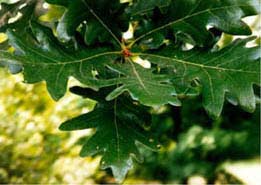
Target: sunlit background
pixel 33 150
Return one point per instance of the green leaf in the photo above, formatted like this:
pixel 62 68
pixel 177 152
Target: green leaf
pixel 232 70
pixel 106 16
pixel 51 62
pixel 9 11
pixel 142 7
pixel 117 132
pixel 191 18
pixel 144 85
pixel 45 59
pixel 21 13
pixel 162 26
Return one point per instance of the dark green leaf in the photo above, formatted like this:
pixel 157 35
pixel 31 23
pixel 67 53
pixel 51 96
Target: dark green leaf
pixel 44 59
pixel 162 26
pixel 117 133
pixel 107 16
pixel 142 7
pixel 144 85
pixel 232 70
pixel 192 18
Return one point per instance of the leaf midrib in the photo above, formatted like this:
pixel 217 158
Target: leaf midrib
pixel 7 55
pixel 116 129
pixel 182 19
pixel 11 56
pixel 194 64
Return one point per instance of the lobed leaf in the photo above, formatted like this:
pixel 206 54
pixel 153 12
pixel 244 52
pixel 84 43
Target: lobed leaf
pixel 100 19
pixel 117 133
pixel 144 85
pixel 233 70
pixel 45 59
pixel 190 20
pixel 229 73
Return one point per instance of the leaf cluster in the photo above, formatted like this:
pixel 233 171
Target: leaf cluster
pixel 87 43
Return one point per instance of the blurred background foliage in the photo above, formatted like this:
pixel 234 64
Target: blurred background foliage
pixel 32 149
pixel 195 148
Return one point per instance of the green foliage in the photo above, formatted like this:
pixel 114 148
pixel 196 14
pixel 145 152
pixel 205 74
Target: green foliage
pixel 188 20
pixel 44 59
pixel 86 43
pixel 125 118
pixel 94 31
pixel 218 72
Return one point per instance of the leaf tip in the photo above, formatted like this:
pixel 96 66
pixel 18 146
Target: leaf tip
pixel 63 126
